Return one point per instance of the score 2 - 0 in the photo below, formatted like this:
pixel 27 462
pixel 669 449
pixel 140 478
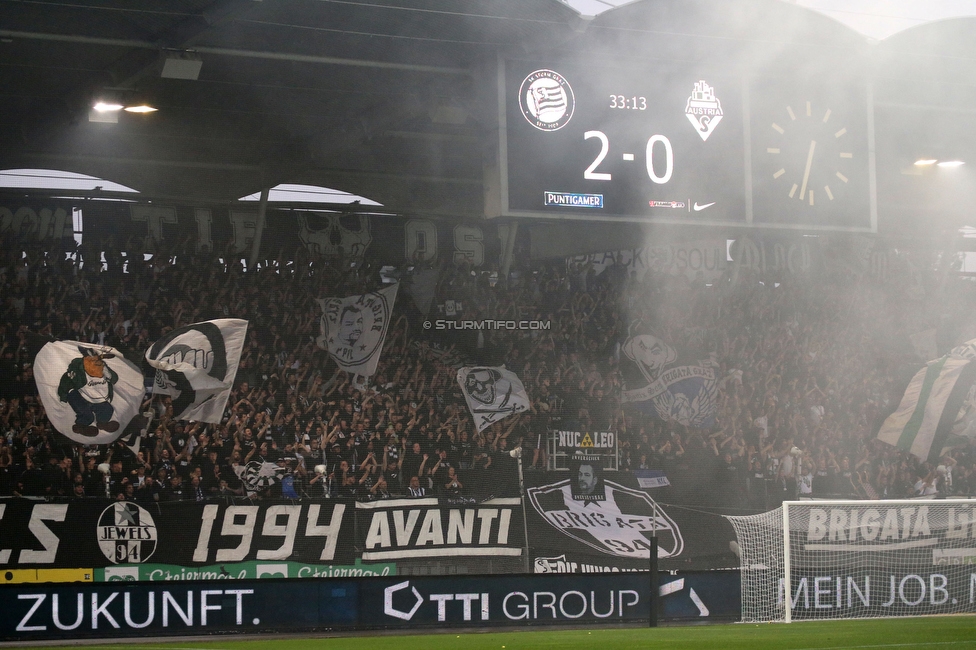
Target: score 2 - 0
pixel 591 174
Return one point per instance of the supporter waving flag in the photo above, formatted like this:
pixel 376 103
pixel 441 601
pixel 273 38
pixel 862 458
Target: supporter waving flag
pixel 938 407
pixel 492 394
pixel 354 329
pixel 196 365
pixel 89 392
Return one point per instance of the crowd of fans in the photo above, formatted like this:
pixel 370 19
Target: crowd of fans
pixel 809 366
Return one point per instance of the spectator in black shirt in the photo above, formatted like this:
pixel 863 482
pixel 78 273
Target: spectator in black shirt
pixel 174 491
pixel 149 491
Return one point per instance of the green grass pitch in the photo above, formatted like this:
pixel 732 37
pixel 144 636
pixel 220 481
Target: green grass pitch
pixel 951 633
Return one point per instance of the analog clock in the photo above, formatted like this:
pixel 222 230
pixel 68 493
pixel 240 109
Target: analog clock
pixel 811 153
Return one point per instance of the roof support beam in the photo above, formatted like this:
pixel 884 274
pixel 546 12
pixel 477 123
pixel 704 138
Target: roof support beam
pixel 224 51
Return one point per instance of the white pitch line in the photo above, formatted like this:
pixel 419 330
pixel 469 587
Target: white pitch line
pixel 130 643
pixel 889 645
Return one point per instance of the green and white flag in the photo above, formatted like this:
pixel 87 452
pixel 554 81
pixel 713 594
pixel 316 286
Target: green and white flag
pixel 929 410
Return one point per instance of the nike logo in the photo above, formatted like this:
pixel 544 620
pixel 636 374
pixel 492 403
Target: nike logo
pixel 702 207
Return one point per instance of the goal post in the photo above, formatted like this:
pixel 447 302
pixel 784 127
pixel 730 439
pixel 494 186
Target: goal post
pixel 821 560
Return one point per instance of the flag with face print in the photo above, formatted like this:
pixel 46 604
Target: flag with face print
pixel 354 329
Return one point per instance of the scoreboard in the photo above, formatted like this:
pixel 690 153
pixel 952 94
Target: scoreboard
pixel 687 145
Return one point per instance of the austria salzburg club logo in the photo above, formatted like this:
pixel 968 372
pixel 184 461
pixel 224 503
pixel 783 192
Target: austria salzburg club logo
pixel 547 100
pixel 703 109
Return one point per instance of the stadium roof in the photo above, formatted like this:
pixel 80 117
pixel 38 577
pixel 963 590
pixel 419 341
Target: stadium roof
pixel 876 19
pixel 395 100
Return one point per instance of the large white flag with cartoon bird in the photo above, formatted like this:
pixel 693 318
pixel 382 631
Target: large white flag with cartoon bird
pixel 90 392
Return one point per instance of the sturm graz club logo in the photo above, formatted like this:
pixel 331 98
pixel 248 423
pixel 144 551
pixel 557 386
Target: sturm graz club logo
pixel 126 533
pixel 620 525
pixel 547 100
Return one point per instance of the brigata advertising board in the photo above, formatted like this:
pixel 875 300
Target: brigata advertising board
pixel 879 559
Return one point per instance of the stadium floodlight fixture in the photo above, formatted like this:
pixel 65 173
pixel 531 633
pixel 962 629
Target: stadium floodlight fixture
pixel 951 163
pixel 925 162
pixel 141 108
pixel 181 65
pixel 106 107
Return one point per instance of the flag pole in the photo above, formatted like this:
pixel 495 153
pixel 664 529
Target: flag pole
pixel 517 453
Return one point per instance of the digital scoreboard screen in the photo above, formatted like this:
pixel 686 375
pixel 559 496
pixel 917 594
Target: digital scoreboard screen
pixel 683 146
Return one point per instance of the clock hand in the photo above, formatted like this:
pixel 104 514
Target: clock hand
pixel 806 172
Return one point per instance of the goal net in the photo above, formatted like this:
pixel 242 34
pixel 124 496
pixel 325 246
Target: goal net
pixel 858 559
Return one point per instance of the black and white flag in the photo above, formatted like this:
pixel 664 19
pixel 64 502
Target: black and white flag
pixel 492 394
pixel 196 365
pixel 661 382
pixel 422 288
pixel 259 475
pixel 89 392
pixel 354 329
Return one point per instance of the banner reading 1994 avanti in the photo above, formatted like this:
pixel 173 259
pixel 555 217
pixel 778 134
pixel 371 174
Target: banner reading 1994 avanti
pixel 119 540
pixel 575 525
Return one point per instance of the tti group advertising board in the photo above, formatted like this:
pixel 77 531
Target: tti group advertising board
pixel 685 146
